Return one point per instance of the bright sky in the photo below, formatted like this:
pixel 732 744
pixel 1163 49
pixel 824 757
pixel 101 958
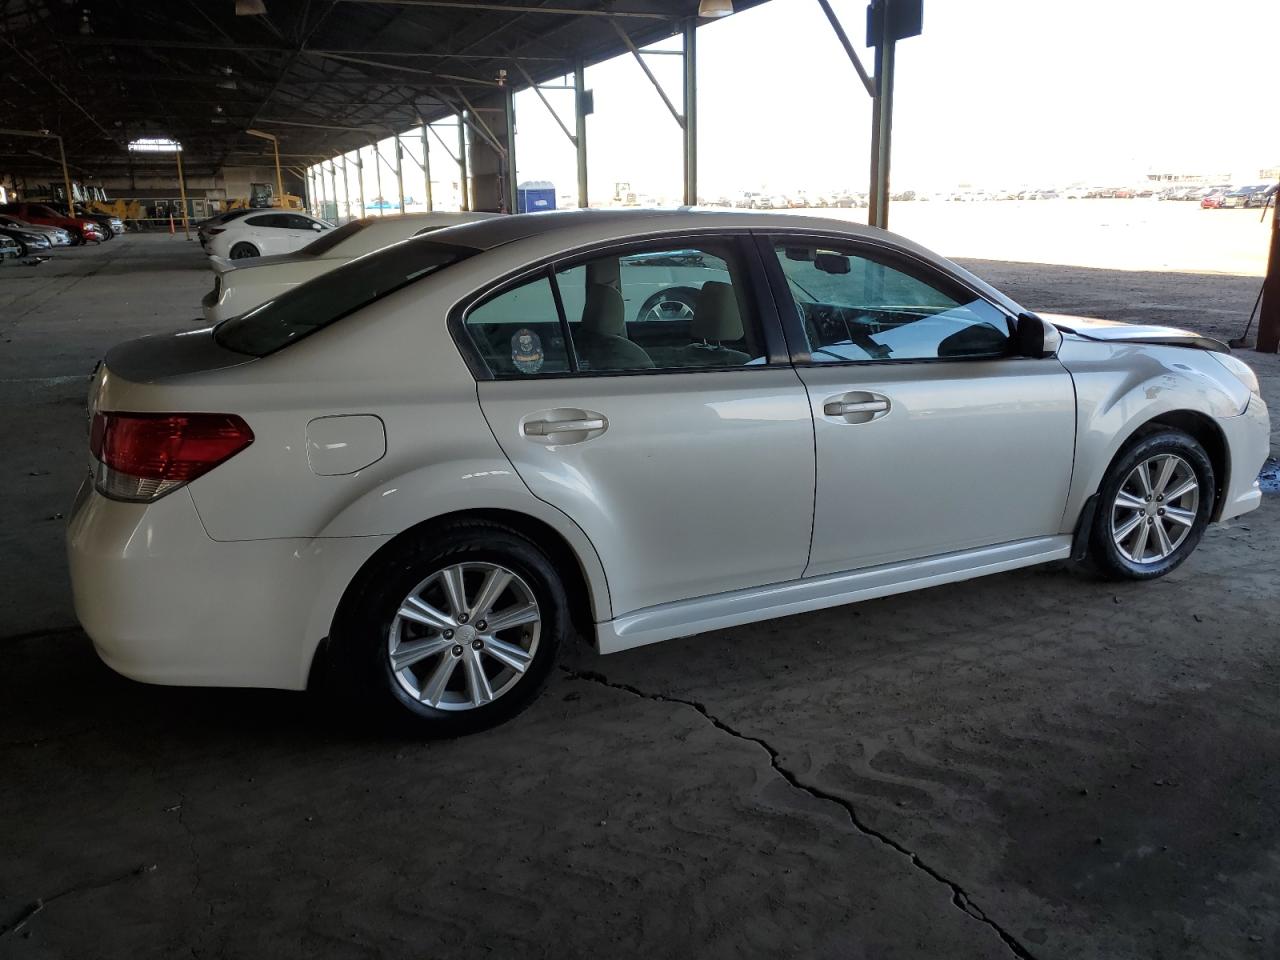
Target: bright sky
pixel 994 93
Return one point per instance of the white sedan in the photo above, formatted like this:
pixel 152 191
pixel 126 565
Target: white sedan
pixel 239 285
pixel 263 234
pixel 414 476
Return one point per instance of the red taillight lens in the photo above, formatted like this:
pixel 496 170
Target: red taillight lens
pixel 143 456
pixel 214 231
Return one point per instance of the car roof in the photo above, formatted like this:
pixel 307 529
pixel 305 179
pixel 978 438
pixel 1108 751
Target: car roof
pixel 487 234
pixel 539 234
pixel 428 218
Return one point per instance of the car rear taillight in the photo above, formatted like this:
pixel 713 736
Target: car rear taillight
pixel 214 231
pixel 143 456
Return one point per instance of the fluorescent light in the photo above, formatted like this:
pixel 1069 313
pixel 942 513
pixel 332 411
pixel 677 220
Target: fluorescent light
pixel 155 145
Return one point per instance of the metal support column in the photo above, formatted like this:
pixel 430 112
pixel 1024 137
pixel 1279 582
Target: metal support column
pixel 377 174
pixel 462 161
pixel 426 165
pixel 346 187
pixel 580 128
pixel 333 186
pixel 360 178
pixel 691 112
pixel 400 173
pixel 509 204
pixel 1269 318
pixel 182 192
pixel 882 117
pixel 66 179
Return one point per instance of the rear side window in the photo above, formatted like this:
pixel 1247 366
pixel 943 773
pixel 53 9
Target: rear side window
pixel 311 306
pixel 517 332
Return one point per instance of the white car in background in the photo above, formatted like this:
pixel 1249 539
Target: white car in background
pixel 262 234
pixel 240 285
pixel 56 235
pixel 414 477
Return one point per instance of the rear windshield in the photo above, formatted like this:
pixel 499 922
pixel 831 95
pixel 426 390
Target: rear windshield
pixel 331 239
pixel 311 306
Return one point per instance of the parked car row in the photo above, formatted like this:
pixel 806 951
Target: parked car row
pixel 82 228
pixel 32 238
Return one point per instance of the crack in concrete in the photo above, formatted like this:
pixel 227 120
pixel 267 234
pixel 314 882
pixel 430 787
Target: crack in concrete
pixel 40 634
pixel 191 842
pixel 33 908
pixel 959 897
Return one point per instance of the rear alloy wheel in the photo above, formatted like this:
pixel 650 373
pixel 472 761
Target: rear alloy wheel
pixel 1153 507
pixel 465 636
pixel 455 632
pixel 243 251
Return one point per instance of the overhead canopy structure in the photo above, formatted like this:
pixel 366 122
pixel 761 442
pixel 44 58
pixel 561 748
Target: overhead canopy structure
pixel 325 76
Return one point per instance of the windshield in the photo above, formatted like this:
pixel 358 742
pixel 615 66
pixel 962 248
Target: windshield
pixel 311 306
pixel 322 245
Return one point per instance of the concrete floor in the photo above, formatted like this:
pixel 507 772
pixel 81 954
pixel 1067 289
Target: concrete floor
pixel 1034 764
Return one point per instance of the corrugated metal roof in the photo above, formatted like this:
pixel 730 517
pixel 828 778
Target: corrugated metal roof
pixel 324 75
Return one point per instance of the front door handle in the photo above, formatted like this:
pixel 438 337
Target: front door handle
pixel 840 408
pixel 857 406
pixel 542 428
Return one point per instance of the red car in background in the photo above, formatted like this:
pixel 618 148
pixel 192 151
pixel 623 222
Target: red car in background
pixel 83 230
pixel 1214 200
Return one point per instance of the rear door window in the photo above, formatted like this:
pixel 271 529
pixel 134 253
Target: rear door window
pixel 647 308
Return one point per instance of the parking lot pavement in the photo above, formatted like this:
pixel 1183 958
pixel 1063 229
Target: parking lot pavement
pixel 1035 764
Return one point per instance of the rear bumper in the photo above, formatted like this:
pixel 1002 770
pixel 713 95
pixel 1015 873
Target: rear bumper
pixel 164 603
pixel 1248 445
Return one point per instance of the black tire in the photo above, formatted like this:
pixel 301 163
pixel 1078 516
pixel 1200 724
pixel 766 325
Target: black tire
pixel 687 296
pixel 361 670
pixel 1105 555
pixel 243 251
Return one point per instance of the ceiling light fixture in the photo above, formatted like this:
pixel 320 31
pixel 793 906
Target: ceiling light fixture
pixel 251 8
pixel 713 9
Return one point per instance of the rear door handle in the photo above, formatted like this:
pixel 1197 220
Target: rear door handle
pixel 542 428
pixel 840 408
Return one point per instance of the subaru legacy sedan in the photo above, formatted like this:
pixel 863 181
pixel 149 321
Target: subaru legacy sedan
pixel 409 480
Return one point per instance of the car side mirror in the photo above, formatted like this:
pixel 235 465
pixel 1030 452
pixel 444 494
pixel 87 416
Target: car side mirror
pixel 316 227
pixel 1036 338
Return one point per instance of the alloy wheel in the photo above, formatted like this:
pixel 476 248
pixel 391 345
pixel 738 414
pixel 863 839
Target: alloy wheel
pixel 1155 508
pixel 464 636
pixel 670 308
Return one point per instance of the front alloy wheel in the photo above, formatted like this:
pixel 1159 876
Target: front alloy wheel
pixel 1153 506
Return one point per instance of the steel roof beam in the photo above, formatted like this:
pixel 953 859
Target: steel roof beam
pixel 467 5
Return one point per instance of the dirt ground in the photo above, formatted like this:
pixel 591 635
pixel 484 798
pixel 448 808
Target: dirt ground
pixel 1035 764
